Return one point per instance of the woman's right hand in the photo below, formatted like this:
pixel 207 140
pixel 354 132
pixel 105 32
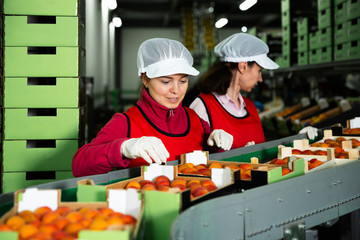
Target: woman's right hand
pixel 149 148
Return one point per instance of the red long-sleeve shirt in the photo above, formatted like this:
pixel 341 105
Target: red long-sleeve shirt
pixel 102 154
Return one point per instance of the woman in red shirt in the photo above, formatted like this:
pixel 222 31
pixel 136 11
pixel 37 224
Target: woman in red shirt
pixel 242 57
pixel 158 128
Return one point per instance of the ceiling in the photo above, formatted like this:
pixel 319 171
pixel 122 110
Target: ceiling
pixel 266 14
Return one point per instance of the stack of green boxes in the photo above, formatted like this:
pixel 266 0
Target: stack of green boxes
pixel 304 26
pixel 44 57
pixel 291 12
pixel 346 29
pixel 1 75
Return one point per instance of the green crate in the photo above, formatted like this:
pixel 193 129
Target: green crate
pixel 325 37
pixel 303 43
pixel 314 40
pixel 285 5
pixel 13 181
pixel 48 155
pixel 302 26
pixel 64 32
pixel 337 2
pixel 340 52
pixel 303 58
pixel 286 47
pixel 19 125
pixel 285 18
pixel 41 7
pixel 35 93
pixel 314 56
pixel 353 49
pixel 64 63
pixel 340 33
pixel 323 4
pixel 325 18
pixel 340 13
pixel 325 54
pixel 353 9
pixel 286 34
pixel 353 29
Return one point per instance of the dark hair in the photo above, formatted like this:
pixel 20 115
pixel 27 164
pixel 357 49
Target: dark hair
pixel 218 78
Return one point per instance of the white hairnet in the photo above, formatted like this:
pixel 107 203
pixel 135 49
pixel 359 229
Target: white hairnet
pixel 243 47
pixel 162 57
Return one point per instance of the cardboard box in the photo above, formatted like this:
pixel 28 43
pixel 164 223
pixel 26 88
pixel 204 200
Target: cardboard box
pixel 353 30
pixel 42 61
pixel 325 18
pixel 340 33
pixel 41 92
pixel 42 7
pixel 340 13
pixel 13 181
pixel 38 155
pixel 35 123
pixel 341 52
pixel 353 49
pixel 353 9
pixel 124 202
pixel 42 31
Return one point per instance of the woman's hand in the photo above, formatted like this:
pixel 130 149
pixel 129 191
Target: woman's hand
pixel 149 148
pixel 221 138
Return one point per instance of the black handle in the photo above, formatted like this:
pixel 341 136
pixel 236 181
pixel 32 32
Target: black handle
pixel 40 143
pixel 42 112
pixel 41 81
pixel 41 50
pixel 41 20
pixel 39 175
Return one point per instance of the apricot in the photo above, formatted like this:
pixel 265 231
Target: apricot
pixel 61 222
pixel 35 223
pixel 74 216
pixel 101 217
pixel 41 210
pixel 161 178
pixel 116 214
pixel 182 167
pixel 325 145
pixel 149 187
pixel 143 182
pixel 308 152
pixel 190 171
pixel 296 151
pixel 133 184
pixel 49 217
pixel 215 165
pixel 205 172
pixel 163 188
pixel 334 144
pixel 245 176
pixel 48 228
pixel 181 181
pixel 232 166
pixel 90 213
pixel 179 186
pixel 207 182
pixel 340 139
pixel 115 220
pixel 62 209
pixel 285 171
pixel 106 211
pixel 246 166
pixel 198 191
pixel 344 155
pixel 98 225
pixel 86 222
pixel 200 166
pixel 279 162
pixel 28 216
pixel 73 228
pixel 320 152
pixel 5 228
pixel 41 236
pixel 128 219
pixel 15 222
pixel 58 235
pixel 315 164
pixel 191 182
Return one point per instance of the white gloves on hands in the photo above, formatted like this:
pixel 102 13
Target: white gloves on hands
pixel 148 148
pixel 221 138
pixel 310 131
pixel 249 144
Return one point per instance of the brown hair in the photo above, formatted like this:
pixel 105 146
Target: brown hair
pixel 218 78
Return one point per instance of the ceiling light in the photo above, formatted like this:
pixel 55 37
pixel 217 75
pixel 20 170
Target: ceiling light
pixel 244 29
pixel 245 5
pixel 117 21
pixel 221 22
pixel 112 4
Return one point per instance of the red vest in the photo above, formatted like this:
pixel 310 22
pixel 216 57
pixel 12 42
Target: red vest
pixel 176 144
pixel 244 129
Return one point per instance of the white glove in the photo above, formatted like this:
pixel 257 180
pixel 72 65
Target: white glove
pixel 249 144
pixel 145 147
pixel 221 138
pixel 310 131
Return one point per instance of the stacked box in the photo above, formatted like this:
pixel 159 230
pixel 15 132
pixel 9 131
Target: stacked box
pixel 291 13
pixel 44 69
pixel 346 30
pixel 1 76
pixel 304 26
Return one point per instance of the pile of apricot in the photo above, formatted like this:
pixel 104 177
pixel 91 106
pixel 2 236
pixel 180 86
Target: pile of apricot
pixel 313 163
pixel 204 169
pixel 351 131
pixel 162 183
pixel 277 161
pixel 64 223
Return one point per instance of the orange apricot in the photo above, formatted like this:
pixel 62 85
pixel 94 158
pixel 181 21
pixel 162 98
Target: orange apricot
pixel 285 171
pixel 90 213
pixel 161 178
pixel 28 216
pixel 215 165
pixel 62 209
pixel 198 191
pixel 49 217
pixel 48 228
pixel 58 235
pixel 73 228
pixel 181 181
pixel 232 166
pixel 61 222
pixel 315 164
pixel 128 219
pixel 98 225
pixel 163 188
pixel 106 211
pixel 15 222
pixel 205 172
pixel 115 220
pixel 190 171
pixel 182 167
pixel 41 210
pixel 200 166
pixel 27 231
pixel 149 187
pixel 133 184
pixel 143 182
pixel 246 166
pixel 5 228
pixel 74 216
pixel 296 151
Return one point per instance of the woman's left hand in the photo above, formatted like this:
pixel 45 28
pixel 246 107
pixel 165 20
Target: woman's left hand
pixel 221 138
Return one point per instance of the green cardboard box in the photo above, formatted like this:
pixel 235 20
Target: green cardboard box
pixel 340 13
pixel 38 155
pixel 324 4
pixel 303 43
pixel 314 40
pixel 325 18
pixel 325 37
pixel 340 33
pixel 353 9
pixel 302 26
pixel 62 32
pixel 41 7
pixel 314 56
pixel 303 58
pixel 53 123
pixel 13 181
pixel 353 29
pixel 285 18
pixel 41 62
pixel 41 92
pixel 353 49
pixel 341 52
pixel 285 4
pixel 326 55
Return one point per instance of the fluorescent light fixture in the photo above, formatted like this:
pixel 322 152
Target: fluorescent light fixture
pixel 112 4
pixel 244 29
pixel 245 5
pixel 117 21
pixel 221 22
